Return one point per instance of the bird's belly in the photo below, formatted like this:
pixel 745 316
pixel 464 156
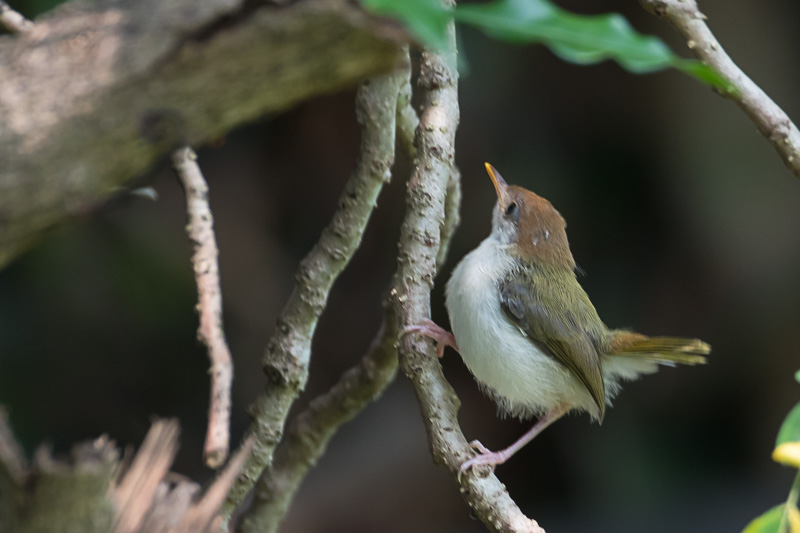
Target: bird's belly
pixel 523 381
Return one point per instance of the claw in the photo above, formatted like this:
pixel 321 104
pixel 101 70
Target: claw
pixel 429 328
pixel 489 458
pixel 485 457
pixel 479 447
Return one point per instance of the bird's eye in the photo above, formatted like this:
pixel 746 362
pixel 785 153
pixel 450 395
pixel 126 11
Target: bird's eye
pixel 512 211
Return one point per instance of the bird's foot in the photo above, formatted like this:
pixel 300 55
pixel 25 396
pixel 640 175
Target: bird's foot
pixel 429 328
pixel 485 457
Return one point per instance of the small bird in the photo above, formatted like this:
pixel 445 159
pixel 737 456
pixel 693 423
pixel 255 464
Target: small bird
pixel 528 332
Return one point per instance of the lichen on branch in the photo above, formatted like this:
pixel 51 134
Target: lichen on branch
pixel 289 350
pixel 417 258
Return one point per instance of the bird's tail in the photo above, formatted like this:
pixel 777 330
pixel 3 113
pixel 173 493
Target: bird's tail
pixel 661 350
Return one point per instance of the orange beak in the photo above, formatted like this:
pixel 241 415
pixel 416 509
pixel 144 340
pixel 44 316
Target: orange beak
pixel 500 184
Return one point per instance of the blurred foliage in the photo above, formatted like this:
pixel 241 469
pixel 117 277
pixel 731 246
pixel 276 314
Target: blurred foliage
pixel 769 521
pixel 784 517
pixel 790 430
pixel 34 8
pixel 575 38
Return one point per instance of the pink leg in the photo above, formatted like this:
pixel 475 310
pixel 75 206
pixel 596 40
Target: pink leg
pixel 493 459
pixel 429 328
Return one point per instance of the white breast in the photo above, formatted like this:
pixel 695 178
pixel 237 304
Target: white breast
pixel 521 379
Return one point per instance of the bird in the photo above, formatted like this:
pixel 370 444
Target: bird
pixel 527 331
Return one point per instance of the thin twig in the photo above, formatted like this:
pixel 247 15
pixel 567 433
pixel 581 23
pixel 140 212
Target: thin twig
pixel 769 118
pixel 209 304
pixel 418 250
pixel 288 353
pixel 12 20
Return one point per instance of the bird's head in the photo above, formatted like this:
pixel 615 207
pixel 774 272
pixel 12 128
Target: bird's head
pixel 529 224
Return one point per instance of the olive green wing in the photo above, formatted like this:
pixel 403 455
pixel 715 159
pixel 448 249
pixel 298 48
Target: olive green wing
pixel 555 315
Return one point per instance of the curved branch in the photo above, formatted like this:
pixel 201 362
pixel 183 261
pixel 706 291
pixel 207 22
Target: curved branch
pixel 769 118
pixel 418 250
pixel 309 434
pixel 288 353
pixel 96 92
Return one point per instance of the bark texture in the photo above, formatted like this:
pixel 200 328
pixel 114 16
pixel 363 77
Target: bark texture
pixel 205 264
pixel 419 247
pixel 94 93
pixel 288 353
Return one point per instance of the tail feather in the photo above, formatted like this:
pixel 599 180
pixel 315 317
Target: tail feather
pixel 662 350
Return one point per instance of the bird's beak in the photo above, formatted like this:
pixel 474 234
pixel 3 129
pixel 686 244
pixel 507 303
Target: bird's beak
pixel 500 184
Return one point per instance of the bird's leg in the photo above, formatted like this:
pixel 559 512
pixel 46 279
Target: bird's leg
pixel 429 328
pixel 488 457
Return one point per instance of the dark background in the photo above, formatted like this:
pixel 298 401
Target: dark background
pixel 683 217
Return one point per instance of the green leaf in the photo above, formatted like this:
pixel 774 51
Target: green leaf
pixel 707 75
pixel 767 522
pixel 790 429
pixel 797 376
pixel 579 38
pixel 576 38
pixel 426 20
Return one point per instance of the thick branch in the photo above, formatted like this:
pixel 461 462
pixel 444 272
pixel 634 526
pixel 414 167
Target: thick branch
pixel 452 215
pixel 287 357
pixel 771 120
pixel 418 249
pixel 209 304
pixel 95 92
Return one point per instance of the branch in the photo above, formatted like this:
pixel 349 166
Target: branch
pixel 210 332
pixel 418 249
pixel 308 436
pixel 771 120
pixel 407 119
pixel 12 20
pixel 288 353
pixel 452 216
pixel 96 92
pixel 310 432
